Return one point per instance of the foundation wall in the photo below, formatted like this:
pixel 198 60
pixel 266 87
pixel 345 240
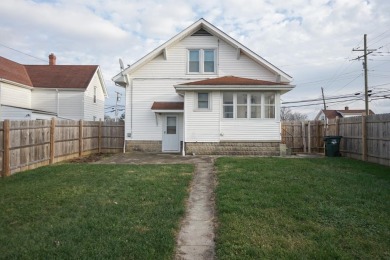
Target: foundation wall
pixel 234 148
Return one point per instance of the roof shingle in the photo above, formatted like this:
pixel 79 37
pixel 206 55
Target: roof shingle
pixel 14 71
pixel 168 106
pixel 232 80
pixel 61 76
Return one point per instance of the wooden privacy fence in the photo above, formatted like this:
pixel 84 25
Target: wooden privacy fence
pixel 32 143
pixel 366 137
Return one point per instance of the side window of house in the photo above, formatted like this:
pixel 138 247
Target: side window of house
pixel 242 107
pixel 269 105
pixel 228 105
pixel 255 105
pixel 94 94
pixel 203 101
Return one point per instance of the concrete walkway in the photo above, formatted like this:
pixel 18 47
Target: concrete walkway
pixel 196 235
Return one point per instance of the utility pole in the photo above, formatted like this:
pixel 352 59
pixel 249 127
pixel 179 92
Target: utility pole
pixel 365 66
pixel 323 98
pixel 116 104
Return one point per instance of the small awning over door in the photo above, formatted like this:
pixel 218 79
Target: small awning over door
pixel 166 107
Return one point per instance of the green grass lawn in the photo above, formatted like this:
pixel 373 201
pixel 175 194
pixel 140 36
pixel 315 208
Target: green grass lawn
pixel 328 208
pixel 80 211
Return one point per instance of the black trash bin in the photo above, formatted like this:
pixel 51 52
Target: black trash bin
pixel 332 146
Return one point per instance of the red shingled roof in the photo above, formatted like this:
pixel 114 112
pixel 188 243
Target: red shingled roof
pixel 231 80
pixel 61 76
pixel 14 71
pixel 168 106
pixel 47 76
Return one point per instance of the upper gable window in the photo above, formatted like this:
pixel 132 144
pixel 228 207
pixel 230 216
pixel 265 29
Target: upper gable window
pixel 201 61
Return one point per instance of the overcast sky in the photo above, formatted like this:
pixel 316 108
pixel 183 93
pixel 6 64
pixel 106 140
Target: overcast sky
pixel 311 40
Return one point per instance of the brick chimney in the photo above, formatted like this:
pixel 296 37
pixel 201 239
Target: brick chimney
pixel 52 59
pixel 346 108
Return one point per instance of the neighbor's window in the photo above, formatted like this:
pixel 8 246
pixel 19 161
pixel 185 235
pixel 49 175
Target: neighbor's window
pixel 201 61
pixel 194 61
pixel 269 105
pixel 228 106
pixel 203 100
pixel 94 94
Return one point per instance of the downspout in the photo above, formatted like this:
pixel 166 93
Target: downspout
pixel 131 108
pixel 183 152
pixel 58 102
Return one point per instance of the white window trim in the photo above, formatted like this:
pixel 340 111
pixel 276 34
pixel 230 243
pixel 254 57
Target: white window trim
pixel 196 108
pixel 201 61
pixel 249 106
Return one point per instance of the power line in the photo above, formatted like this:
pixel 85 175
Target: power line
pixel 23 52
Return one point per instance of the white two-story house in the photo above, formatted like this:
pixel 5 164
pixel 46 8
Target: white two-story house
pixel 202 92
pixel 45 91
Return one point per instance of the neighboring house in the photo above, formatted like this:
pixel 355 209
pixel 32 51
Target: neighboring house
pixel 332 114
pixel 202 92
pixel 45 91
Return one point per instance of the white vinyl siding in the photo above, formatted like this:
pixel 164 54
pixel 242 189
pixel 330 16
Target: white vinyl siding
pixel 15 96
pixel 44 99
pixel 202 126
pixel 147 125
pixel 71 105
pixel 14 113
pixel 176 63
pixel 94 100
pixel 251 130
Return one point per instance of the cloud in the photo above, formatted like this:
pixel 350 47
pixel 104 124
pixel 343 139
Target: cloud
pixel 311 40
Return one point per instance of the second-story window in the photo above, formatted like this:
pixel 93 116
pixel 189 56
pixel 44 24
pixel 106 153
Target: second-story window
pixel 201 61
pixel 194 61
pixel 94 94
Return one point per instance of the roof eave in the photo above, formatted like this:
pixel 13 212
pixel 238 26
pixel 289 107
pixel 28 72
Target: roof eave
pixel 234 87
pixel 15 83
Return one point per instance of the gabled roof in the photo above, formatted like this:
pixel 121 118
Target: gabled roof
pixel 332 114
pixel 61 76
pixel 234 83
pixel 50 76
pixel 205 25
pixel 13 71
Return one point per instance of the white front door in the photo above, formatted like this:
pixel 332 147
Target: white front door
pixel 170 139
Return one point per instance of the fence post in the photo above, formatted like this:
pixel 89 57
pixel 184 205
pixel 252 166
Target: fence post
pixel 81 138
pixel 100 137
pixel 364 138
pixel 6 144
pixel 52 141
pixel 304 136
pixel 337 126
